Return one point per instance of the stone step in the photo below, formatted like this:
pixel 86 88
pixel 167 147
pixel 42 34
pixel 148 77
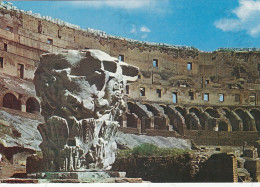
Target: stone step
pixel 128 180
pixel 81 175
pixel 72 177
pixel 108 180
pixel 13 180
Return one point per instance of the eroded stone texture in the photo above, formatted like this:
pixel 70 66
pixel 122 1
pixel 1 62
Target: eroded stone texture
pixel 81 96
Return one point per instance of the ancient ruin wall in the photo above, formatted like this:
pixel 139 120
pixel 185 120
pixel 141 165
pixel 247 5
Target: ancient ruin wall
pixel 202 167
pixel 233 74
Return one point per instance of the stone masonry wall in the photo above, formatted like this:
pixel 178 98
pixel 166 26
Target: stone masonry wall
pixel 233 74
pixel 180 168
pixel 221 138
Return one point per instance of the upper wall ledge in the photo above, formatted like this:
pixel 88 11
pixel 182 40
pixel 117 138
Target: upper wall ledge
pixel 10 7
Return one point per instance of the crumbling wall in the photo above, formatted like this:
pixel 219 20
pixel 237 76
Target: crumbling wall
pixel 180 168
pixel 217 168
pixel 156 169
pixel 224 72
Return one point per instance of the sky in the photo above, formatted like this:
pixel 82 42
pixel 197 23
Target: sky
pixel 203 24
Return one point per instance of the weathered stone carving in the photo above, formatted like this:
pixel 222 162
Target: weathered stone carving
pixel 81 96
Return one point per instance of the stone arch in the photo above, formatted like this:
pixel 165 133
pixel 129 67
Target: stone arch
pixel 225 109
pixel 181 110
pixel 11 101
pixel 179 106
pixel 253 109
pixel 193 122
pixel 212 112
pixel 32 105
pixel 223 126
pixel 209 107
pixel 195 110
pixel 143 114
pixel 161 120
pixel 247 118
pixel 256 114
pixel 165 108
pixel 235 121
pixel 132 120
pixel 201 116
pixel 129 103
pixel 177 121
pixel 151 109
pixel 241 113
pixel 138 109
pixel 240 109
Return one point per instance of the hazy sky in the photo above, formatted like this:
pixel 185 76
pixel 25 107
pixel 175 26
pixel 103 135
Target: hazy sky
pixel 204 24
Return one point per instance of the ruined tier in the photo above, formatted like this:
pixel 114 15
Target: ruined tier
pixel 81 95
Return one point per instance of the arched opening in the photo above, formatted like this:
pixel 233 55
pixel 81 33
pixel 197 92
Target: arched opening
pixel 244 117
pixel 195 111
pixel 212 112
pixel 222 126
pixel 142 113
pixel 152 109
pixel 193 122
pixel 165 108
pixel 10 101
pixel 199 114
pixel 160 119
pixel 226 110
pixel 132 118
pixel 32 105
pixel 231 116
pixel 181 110
pixel 256 114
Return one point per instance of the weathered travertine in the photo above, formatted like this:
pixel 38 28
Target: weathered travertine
pixel 81 96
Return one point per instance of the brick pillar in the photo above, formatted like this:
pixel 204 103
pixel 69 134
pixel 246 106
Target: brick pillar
pixel 142 125
pixel 139 126
pixel 235 175
pixel 23 108
pixel 152 123
pixel 167 123
pixel 124 120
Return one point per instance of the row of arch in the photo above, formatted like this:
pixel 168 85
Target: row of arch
pixel 240 119
pixel 12 102
pixel 196 118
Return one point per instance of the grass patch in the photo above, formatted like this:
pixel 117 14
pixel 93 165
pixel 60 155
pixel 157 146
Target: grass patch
pixel 150 150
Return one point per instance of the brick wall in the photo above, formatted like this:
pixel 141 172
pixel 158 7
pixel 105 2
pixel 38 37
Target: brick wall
pixel 221 138
pixel 129 130
pixel 7 169
pixel 165 133
pixel 156 169
pixel 202 167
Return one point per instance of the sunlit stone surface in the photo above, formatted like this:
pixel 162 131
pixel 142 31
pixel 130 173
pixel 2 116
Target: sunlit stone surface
pixel 81 96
